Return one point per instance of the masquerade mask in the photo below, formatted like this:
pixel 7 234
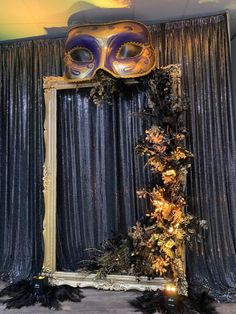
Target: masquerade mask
pixel 123 49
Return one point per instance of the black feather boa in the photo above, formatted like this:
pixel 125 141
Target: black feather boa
pixel 156 301
pixel 26 293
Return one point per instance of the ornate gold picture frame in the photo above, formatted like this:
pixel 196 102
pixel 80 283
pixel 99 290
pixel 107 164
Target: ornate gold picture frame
pixel 112 282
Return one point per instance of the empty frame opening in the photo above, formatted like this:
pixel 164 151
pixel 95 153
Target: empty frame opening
pixel 98 172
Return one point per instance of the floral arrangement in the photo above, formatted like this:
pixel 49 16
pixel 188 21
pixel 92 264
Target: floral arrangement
pixel 155 245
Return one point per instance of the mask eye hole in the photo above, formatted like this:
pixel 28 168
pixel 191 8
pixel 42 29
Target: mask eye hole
pixel 129 50
pixel 81 54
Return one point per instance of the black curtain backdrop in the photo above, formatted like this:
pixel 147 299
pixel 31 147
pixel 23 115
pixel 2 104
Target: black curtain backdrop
pixel 98 172
pixel 201 46
pixel 22 67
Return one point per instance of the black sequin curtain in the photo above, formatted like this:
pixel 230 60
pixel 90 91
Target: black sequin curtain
pixel 22 67
pixel 98 172
pixel 201 46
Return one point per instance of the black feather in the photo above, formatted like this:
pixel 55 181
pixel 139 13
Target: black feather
pixel 151 302
pixel 195 303
pixel 49 300
pixel 19 301
pixel 202 301
pixel 65 292
pixel 15 289
pixel 26 293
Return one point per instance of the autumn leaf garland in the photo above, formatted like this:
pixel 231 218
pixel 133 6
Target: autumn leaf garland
pixel 169 160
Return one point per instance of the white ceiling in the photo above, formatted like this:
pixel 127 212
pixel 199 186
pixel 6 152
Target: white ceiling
pixel 28 18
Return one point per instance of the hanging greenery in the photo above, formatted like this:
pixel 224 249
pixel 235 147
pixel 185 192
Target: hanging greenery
pixel 155 245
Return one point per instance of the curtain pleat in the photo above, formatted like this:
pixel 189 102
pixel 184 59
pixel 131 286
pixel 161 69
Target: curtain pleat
pixel 98 170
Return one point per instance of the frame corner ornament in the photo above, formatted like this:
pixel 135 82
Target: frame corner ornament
pixel 52 81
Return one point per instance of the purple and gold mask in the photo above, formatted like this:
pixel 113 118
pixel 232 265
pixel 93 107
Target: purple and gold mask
pixel 123 49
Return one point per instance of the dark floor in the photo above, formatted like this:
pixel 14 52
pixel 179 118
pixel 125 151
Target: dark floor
pixel 98 301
